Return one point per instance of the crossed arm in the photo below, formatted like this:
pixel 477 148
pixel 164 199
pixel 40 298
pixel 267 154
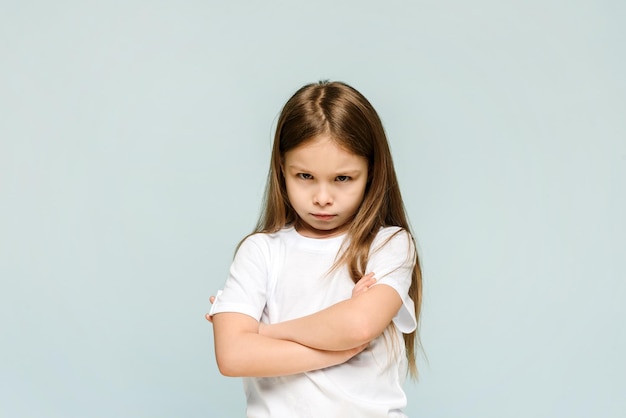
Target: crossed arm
pixel 241 351
pixel 245 347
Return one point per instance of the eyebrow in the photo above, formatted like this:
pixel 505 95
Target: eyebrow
pixel 339 172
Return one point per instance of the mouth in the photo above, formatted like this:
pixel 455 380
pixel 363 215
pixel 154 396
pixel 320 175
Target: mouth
pixel 323 216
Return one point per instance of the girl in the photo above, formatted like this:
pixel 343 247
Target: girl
pixel 312 334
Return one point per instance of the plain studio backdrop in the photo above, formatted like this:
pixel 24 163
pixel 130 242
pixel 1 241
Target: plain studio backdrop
pixel 135 140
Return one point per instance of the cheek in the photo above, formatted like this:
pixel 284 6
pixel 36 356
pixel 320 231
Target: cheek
pixel 356 199
pixel 288 185
pixel 362 190
pixel 360 199
pixel 293 192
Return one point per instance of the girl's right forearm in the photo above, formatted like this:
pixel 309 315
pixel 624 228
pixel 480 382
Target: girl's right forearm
pixel 241 352
pixel 259 356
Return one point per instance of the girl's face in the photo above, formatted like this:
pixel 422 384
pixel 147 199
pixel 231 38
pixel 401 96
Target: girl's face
pixel 325 186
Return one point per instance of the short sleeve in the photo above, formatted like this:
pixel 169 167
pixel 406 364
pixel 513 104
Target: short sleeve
pixel 392 260
pixel 245 290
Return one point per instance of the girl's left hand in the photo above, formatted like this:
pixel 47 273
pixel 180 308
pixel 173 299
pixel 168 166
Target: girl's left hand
pixel 363 284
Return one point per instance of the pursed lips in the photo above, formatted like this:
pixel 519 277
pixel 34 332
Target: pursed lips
pixel 323 216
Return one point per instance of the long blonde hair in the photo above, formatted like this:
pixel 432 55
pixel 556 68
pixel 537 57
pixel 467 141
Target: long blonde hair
pixel 339 110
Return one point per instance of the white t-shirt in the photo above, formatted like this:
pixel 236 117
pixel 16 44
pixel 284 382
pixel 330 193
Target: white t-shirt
pixel 281 276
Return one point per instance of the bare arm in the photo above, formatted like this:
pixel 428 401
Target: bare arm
pixel 371 309
pixel 345 325
pixel 241 351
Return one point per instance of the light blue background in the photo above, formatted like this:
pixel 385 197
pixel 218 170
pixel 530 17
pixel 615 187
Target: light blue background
pixel 135 139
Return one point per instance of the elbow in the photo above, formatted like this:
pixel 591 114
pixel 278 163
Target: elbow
pixel 371 313
pixel 228 365
pixel 364 330
pixel 227 370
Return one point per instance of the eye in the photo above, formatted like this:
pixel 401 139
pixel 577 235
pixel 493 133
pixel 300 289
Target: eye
pixel 342 179
pixel 304 176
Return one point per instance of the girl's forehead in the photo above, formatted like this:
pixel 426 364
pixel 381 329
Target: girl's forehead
pixel 323 154
pixel 321 143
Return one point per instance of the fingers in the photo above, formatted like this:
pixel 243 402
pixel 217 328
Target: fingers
pixel 363 284
pixel 365 279
pixel 207 316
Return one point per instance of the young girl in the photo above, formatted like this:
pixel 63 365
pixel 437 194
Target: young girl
pixel 320 309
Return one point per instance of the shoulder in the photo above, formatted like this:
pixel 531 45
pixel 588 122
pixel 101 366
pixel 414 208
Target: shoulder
pixel 394 243
pixel 394 236
pixel 264 242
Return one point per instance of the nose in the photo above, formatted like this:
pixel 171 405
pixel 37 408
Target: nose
pixel 322 196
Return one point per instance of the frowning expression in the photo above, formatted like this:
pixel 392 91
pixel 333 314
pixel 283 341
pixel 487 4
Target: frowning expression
pixel 325 186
